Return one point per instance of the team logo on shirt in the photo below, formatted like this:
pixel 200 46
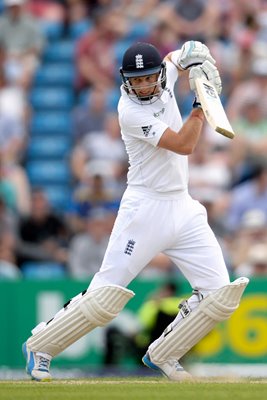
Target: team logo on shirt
pixel 146 130
pixel 139 63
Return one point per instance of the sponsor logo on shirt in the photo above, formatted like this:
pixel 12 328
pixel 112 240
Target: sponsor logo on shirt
pixel 162 111
pixel 146 130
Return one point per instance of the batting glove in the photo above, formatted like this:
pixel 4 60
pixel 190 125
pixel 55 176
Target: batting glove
pixel 208 71
pixel 194 53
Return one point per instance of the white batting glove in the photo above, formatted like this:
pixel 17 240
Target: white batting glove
pixel 194 53
pixel 207 70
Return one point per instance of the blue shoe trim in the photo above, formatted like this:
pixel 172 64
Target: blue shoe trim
pixel 29 360
pixel 146 360
pixel 29 357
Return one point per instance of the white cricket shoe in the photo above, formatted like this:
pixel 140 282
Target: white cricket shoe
pixel 171 369
pixel 37 366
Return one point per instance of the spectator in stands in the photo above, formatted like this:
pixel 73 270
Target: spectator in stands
pixel 233 45
pixel 43 235
pixel 127 338
pixel 8 232
pixel 163 37
pixel 95 57
pixel 253 230
pixel 7 190
pixel 255 87
pixel 23 42
pixel 250 141
pixel 104 147
pixel 87 248
pixel 251 128
pixel 209 181
pixel 96 190
pixel 156 313
pixel 13 101
pixel 134 10
pixel 251 194
pixel 8 240
pixel 89 116
pixel 191 19
pixel 210 174
pixel 77 17
pixel 46 10
pixel 8 266
pixel 15 184
pixel 8 219
pixel 12 138
pixel 245 37
pixel 255 264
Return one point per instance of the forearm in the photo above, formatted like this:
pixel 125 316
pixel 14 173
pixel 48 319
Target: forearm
pixel 190 132
pixel 184 141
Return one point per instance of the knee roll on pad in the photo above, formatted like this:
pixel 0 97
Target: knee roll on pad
pixel 81 315
pixel 179 339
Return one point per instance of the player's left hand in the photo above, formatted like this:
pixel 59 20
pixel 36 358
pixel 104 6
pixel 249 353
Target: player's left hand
pixel 209 71
pixel 194 53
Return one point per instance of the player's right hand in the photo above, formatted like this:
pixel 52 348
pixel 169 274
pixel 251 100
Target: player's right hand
pixel 207 70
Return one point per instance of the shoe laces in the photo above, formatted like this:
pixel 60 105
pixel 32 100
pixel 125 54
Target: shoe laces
pixel 43 363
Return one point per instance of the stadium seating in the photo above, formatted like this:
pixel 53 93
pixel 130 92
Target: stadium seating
pixel 52 30
pixel 79 28
pixel 139 30
pixel 52 98
pixel 48 171
pixel 55 74
pixel 59 51
pixel 58 195
pixel 51 122
pixel 49 147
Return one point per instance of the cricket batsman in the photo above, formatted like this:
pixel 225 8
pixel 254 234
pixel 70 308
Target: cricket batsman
pixel 156 214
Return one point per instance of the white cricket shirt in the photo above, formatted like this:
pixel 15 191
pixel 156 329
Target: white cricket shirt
pixel 142 126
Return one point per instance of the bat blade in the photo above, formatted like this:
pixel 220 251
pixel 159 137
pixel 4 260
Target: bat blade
pixel 213 108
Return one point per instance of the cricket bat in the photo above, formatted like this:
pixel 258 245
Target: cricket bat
pixel 213 108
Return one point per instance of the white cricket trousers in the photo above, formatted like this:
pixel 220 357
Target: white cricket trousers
pixel 172 223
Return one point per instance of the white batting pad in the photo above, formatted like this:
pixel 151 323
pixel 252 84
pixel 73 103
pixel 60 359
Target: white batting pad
pixel 179 339
pixel 82 314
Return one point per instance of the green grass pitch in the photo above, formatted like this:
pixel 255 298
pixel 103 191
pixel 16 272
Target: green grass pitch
pixel 134 389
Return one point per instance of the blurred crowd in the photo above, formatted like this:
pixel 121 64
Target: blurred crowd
pixel 228 177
